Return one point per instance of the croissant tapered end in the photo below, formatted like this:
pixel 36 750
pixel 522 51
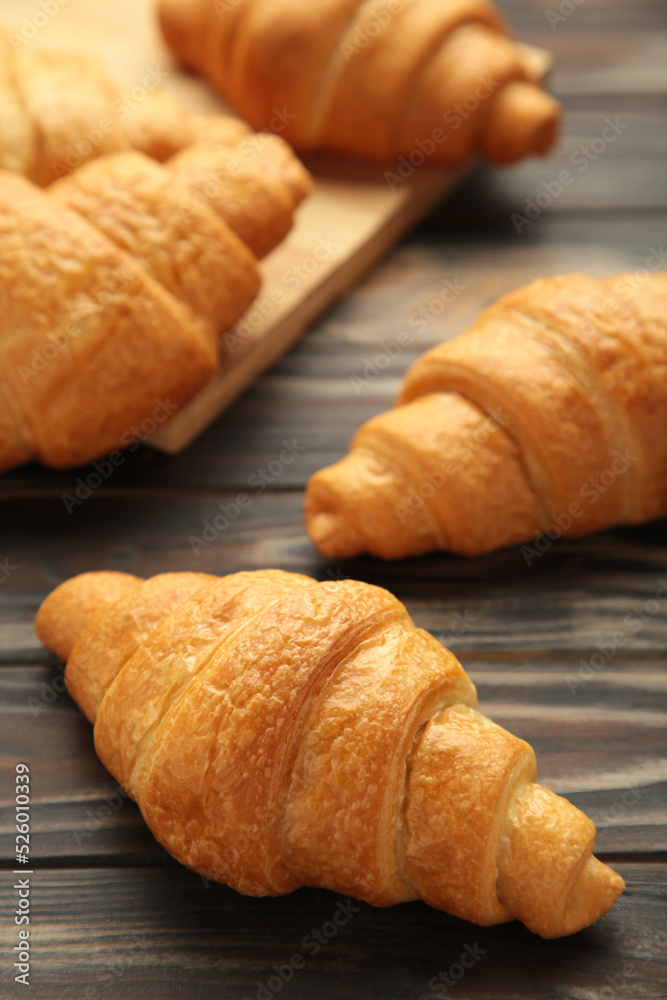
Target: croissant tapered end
pixel 526 855
pixel 69 609
pixel 255 203
pixel 595 890
pixel 325 509
pixel 547 875
pixel 594 893
pixel 525 121
pixel 333 536
pixel 350 508
pixel 269 154
pixel 273 156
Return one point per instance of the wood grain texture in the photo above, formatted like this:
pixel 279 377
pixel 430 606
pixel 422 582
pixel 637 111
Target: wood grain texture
pixel 577 593
pixel 115 919
pixel 137 934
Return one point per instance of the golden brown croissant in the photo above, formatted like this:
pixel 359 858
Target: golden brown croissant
pixel 61 109
pixel 277 732
pixel 114 285
pixel 374 78
pixel 547 417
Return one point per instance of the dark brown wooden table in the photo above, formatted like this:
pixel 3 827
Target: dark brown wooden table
pixel 112 916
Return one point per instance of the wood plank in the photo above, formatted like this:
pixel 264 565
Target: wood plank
pixel 600 46
pixel 597 145
pixel 139 935
pixel 577 593
pixel 621 64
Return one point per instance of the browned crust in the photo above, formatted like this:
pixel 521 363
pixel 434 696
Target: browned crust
pixel 278 732
pixel 115 290
pixel 377 79
pixel 548 414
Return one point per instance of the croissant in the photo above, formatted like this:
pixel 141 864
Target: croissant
pixel 378 79
pixel 115 283
pixel 277 732
pixel 61 109
pixel 547 417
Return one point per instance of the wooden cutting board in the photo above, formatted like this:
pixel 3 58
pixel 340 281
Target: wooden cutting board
pixel 355 213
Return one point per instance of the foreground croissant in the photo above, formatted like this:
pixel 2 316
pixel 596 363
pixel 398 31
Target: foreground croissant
pixel 276 732
pixel 547 416
pixel 115 283
pixel 375 79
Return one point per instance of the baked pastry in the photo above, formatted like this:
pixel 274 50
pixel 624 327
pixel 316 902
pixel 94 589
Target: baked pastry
pixel 51 102
pixel 373 79
pixel 277 732
pixel 115 283
pixel 115 286
pixel 61 109
pixel 547 417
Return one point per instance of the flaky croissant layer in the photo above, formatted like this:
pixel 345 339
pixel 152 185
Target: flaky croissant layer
pixel 277 732
pixel 548 416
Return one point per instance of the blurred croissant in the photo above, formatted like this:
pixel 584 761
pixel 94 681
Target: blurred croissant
pixel 276 733
pixel 61 109
pixel 372 78
pixel 547 416
pixel 115 283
